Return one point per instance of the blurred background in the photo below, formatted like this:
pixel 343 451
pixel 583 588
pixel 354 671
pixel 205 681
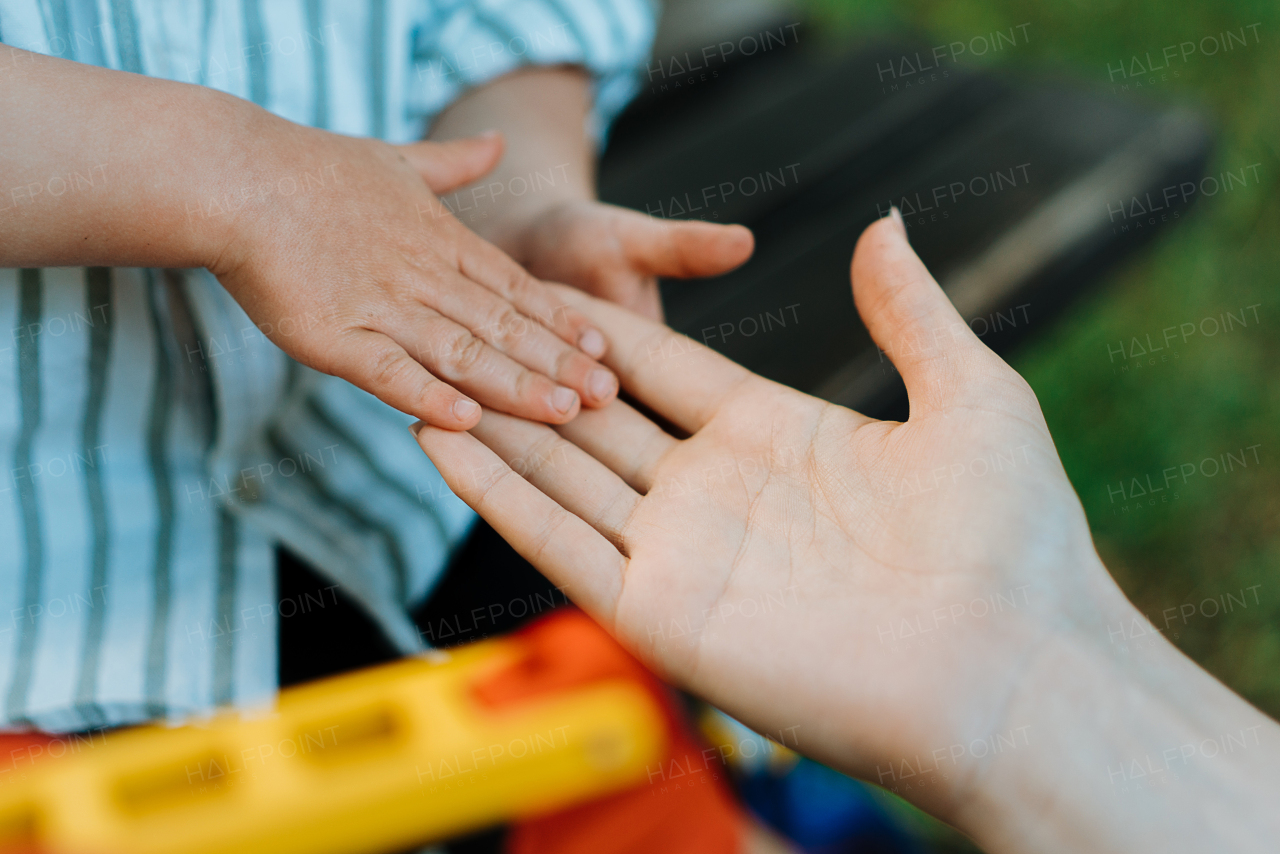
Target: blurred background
pixel 1222 534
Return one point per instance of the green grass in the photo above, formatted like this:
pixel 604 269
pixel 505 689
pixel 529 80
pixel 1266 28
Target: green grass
pixel 1221 535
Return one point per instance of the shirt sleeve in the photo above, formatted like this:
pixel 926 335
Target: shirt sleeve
pixel 463 43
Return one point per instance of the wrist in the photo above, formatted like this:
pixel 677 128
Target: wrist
pixel 212 219
pixel 549 161
pixel 126 190
pixel 267 184
pixel 1125 750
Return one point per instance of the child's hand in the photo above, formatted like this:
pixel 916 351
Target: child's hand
pixel 341 251
pixel 561 233
pixel 618 254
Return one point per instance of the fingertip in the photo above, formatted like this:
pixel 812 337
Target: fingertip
pixel 895 216
pixel 564 401
pixel 876 240
pixel 460 415
pixel 446 166
pixel 707 249
pixel 560 405
pixel 465 413
pixel 602 387
pixel 738 243
pixel 492 139
pixel 486 149
pixel 592 342
pixel 744 237
pixel 888 229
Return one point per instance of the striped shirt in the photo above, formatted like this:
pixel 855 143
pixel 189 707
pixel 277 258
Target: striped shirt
pixel 155 447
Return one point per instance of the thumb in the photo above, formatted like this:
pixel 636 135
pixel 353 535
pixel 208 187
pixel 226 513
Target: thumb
pixel 682 249
pixel 941 361
pixel 446 166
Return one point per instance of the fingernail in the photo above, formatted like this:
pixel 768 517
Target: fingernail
pixel 465 410
pixel 416 427
pixel 896 216
pixel 602 384
pixel 488 134
pixel 592 343
pixel 563 399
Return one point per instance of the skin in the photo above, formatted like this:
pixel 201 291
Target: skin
pixel 839 528
pixel 338 239
pixel 413 306
pixel 562 232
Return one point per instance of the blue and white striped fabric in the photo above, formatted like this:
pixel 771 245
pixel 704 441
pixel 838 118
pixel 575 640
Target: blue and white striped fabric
pixel 155 447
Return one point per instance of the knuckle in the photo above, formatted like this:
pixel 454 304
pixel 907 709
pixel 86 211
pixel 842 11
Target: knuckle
pixel 461 354
pixel 506 326
pixel 529 386
pixel 388 367
pixel 539 457
pixel 394 370
pixel 520 285
pixel 425 387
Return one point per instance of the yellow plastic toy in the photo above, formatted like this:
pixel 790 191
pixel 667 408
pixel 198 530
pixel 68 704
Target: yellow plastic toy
pixel 375 761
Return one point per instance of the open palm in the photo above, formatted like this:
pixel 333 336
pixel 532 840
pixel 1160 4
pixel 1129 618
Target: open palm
pixel 790 557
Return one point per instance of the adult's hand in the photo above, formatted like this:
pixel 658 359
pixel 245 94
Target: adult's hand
pixel 786 560
pixel 840 528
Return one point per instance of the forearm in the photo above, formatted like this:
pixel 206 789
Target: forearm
pixel 105 167
pixel 549 158
pixel 1128 751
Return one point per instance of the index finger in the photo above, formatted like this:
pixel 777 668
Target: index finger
pixel 683 381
